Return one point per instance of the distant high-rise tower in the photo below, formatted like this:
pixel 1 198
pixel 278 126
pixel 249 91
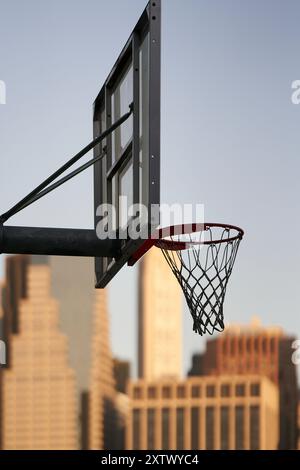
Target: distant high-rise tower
pixel 159 319
pixel 72 284
pixel 121 374
pixel 38 393
pixel 253 349
pixel 102 386
pixel 14 290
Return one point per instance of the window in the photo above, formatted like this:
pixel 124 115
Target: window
pixel 180 429
pixel 209 422
pixel 195 434
pixel 264 345
pixel 239 427
pixel 196 391
pixel 225 390
pixel 151 392
pixel 254 428
pixel 272 345
pixel 137 393
pixel 151 428
pixel 136 429
pixel 165 428
pixel 181 391
pixel 240 390
pixel 210 391
pixel 255 390
pixel 224 428
pixel 166 392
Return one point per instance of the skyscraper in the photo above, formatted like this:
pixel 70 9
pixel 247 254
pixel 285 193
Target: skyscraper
pixel 102 418
pixel 72 284
pixel 13 291
pixel 121 374
pixel 159 319
pixel 254 349
pixel 38 389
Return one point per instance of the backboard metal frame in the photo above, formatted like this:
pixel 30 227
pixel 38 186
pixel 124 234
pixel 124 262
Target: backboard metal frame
pixel 148 26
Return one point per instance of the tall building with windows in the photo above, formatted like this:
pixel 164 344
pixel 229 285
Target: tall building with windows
pixel 226 412
pixel 121 374
pixel 72 284
pixel 159 319
pixel 38 387
pixel 254 349
pixel 102 411
pixel 14 290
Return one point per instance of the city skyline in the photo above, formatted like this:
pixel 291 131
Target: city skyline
pixel 103 413
pixel 62 267
pixel 212 123
pixel 238 116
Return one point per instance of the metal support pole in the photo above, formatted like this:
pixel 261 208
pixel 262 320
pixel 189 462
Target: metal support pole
pixel 55 241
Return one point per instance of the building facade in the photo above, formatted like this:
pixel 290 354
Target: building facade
pixel 72 284
pixel 38 386
pixel 159 319
pixel 102 409
pixel 253 349
pixel 228 412
pixel 121 374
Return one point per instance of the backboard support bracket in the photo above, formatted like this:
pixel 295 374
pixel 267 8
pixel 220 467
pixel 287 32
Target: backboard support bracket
pixel 56 242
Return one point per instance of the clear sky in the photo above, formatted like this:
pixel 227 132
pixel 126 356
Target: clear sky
pixel 229 131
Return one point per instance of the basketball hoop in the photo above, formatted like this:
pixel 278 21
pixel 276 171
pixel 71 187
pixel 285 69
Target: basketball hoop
pixel 201 256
